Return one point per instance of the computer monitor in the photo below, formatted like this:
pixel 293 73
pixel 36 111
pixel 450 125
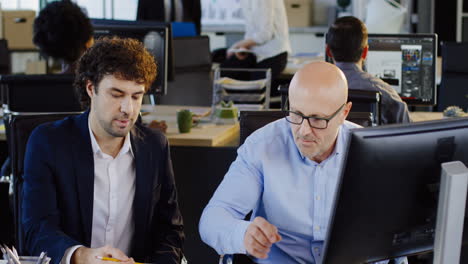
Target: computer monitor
pixel 386 203
pixel 407 62
pixel 157 37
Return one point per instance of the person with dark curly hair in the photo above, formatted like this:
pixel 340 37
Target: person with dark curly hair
pixel 63 31
pixel 101 184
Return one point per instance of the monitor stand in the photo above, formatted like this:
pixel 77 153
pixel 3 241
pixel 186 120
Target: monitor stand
pixel 450 213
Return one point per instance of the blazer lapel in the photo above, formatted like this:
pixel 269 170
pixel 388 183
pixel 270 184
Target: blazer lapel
pixel 84 171
pixel 144 171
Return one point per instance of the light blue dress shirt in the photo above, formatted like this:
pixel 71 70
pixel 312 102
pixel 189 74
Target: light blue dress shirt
pixel 271 177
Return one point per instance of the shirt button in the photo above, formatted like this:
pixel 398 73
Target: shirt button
pixel 317 197
pixel 317 228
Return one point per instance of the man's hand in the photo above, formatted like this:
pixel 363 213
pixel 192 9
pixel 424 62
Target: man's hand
pixel 84 255
pixel 259 237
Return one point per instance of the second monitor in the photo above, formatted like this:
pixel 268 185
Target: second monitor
pixel 407 62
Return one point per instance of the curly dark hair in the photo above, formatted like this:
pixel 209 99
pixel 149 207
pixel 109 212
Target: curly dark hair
pixel 347 38
pixel 126 59
pixel 61 31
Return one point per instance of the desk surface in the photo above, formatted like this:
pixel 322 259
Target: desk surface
pixel 427 116
pixel 204 134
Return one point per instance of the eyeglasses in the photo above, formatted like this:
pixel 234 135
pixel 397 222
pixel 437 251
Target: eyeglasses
pixel 314 121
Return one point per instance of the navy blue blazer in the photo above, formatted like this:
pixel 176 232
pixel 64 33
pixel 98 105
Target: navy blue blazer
pixel 58 192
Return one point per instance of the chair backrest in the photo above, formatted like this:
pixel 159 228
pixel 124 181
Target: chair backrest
pixel 192 84
pixel 365 119
pixel 18 132
pixel 453 89
pixel 183 29
pixel 39 93
pixel 250 121
pixel 366 101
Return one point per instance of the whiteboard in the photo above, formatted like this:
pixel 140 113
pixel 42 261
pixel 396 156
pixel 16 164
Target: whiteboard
pixel 222 12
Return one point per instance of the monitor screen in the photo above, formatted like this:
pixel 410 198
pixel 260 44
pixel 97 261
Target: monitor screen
pixel 157 38
pixel 407 62
pixel 386 203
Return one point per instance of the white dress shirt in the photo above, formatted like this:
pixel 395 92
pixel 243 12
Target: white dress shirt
pixel 114 192
pixel 266 24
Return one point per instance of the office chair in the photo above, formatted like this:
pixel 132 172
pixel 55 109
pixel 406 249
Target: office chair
pixel 192 84
pixel 18 132
pixel 250 121
pixel 366 101
pixel 453 89
pixel 45 93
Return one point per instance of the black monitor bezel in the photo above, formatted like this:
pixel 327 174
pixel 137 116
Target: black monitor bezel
pixel 358 136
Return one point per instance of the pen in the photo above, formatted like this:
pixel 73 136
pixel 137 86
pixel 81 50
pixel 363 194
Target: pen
pixel 112 259
pixel 39 259
pixel 14 251
pixel 12 256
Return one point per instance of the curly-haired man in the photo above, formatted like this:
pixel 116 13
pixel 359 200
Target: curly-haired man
pixel 63 31
pixel 100 184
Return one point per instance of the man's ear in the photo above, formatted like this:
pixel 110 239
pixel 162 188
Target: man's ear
pixel 365 50
pixel 347 109
pixel 328 51
pixel 90 88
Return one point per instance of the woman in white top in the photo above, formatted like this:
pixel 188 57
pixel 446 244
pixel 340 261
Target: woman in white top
pixel 266 36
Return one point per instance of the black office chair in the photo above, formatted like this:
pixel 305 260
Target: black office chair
pixel 44 93
pixel 18 132
pixel 250 121
pixel 193 82
pixel 368 102
pixel 453 86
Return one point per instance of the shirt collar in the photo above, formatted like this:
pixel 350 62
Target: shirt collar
pixel 348 66
pixel 126 147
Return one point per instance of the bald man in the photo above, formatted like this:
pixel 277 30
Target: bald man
pixel 286 173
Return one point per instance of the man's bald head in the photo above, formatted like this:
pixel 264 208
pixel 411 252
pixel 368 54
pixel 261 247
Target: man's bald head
pixel 319 81
pixel 318 91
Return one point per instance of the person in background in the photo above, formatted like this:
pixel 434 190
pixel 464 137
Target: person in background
pixel 100 184
pixel 64 32
pixel 346 44
pixel 266 40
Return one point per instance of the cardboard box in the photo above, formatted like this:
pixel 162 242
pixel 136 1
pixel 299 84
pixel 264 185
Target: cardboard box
pixel 18 28
pixel 299 13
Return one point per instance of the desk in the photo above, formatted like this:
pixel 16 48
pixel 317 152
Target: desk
pixel 426 116
pixel 202 135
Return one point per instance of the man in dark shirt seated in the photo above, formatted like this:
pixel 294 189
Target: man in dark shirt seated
pixel 347 45
pixel 99 184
